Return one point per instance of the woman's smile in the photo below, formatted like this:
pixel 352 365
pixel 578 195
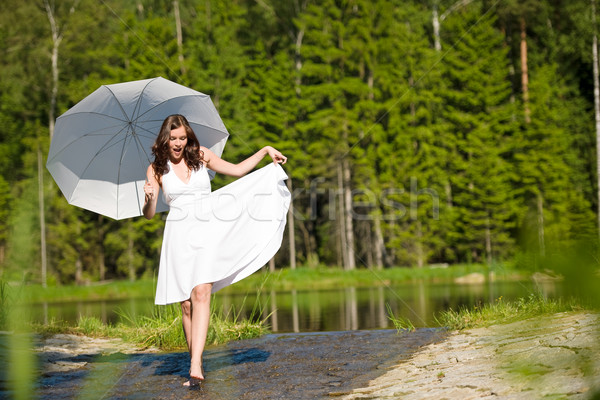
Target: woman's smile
pixel 177 142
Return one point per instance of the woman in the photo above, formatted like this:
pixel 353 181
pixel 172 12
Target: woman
pixel 204 249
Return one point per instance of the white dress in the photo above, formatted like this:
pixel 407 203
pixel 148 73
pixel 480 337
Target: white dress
pixel 219 237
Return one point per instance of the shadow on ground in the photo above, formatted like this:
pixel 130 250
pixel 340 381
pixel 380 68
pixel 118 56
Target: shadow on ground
pixel 281 366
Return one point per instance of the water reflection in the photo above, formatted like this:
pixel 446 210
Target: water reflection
pixel 322 310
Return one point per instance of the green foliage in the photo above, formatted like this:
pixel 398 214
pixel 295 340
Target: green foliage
pixel 504 312
pixel 4 305
pixel 444 166
pixel 477 109
pixel 228 326
pixel 302 278
pixel 400 323
pixel 162 329
pixel 323 277
pixel 22 246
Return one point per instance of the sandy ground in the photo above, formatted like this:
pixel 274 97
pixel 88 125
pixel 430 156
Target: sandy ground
pixel 553 357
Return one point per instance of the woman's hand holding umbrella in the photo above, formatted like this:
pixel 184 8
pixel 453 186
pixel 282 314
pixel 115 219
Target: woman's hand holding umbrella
pixel 151 188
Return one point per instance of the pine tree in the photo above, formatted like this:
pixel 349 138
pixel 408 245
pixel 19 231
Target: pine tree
pixel 477 108
pixel 557 207
pixel 408 163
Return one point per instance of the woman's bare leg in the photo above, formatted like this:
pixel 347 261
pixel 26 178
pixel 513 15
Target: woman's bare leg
pixel 200 300
pixel 186 322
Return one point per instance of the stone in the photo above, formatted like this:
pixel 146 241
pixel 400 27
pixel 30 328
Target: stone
pixel 556 356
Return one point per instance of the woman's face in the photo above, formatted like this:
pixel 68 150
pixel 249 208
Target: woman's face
pixel 177 142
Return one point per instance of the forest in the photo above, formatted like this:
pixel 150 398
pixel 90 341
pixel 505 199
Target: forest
pixel 418 132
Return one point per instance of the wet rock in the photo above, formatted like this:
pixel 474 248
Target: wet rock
pixel 62 366
pixel 546 277
pixel 557 357
pixel 470 279
pixel 282 366
pixel 64 353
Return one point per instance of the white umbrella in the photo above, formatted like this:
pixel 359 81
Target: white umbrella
pixel 101 147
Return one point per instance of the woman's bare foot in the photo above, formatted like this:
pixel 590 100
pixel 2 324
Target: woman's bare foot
pixel 196 376
pixel 192 382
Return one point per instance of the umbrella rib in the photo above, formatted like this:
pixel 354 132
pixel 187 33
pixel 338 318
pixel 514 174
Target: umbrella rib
pixel 92 112
pixel 141 146
pixel 119 172
pixel 141 150
pixel 118 102
pixel 93 133
pixel 134 120
pixel 150 134
pixel 95 155
pixel 146 134
pixel 169 99
pixel 137 107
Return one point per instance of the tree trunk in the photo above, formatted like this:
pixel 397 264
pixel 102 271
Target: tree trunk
pixel 44 262
pixel 130 248
pixel 448 190
pixel 368 240
pixel 511 67
pixel 436 21
pixel 78 271
pixel 524 71
pixel 291 229
pixel 179 36
pixel 272 264
pixel 436 29
pixel 78 262
pixel 306 238
pixel 101 263
pixel 419 245
pixel 56 39
pixel 341 217
pixel 298 61
pixel 596 102
pixel 540 210
pixel 140 9
pixel 348 216
pixel 527 112
pixel 488 241
pixel 379 243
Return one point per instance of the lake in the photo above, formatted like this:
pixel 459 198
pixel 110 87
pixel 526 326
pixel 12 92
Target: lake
pixel 323 310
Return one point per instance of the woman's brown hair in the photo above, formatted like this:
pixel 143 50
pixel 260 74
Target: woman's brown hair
pixel 192 155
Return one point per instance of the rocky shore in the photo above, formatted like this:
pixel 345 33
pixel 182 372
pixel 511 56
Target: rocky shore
pixel 551 357
pixel 555 357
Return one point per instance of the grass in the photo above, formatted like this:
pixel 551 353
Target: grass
pixel 400 323
pixel 4 306
pixel 162 329
pixel 502 312
pixel 108 290
pixel 327 278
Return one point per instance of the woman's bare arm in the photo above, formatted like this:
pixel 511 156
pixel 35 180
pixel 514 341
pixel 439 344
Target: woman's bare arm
pixel 221 166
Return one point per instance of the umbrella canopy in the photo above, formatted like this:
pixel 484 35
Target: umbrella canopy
pixel 101 147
